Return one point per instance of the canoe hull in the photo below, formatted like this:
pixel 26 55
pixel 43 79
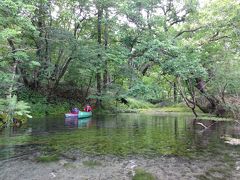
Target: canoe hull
pixel 80 115
pixel 70 115
pixel 83 114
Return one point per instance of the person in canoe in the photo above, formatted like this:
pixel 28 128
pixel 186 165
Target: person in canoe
pixel 75 111
pixel 88 108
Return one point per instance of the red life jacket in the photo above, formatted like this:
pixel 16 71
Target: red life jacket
pixel 88 109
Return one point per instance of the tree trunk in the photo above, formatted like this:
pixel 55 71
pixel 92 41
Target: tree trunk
pixel 98 74
pixel 105 75
pixel 89 84
pixel 213 102
pixel 174 92
pixel 191 103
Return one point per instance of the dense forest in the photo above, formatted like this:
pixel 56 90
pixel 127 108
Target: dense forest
pixel 64 53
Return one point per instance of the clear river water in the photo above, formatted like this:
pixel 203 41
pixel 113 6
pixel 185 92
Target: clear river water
pixel 169 146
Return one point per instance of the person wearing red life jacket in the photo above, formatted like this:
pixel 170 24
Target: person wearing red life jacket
pixel 88 108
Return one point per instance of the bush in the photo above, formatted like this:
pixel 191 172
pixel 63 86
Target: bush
pixel 139 104
pixel 132 105
pixel 41 107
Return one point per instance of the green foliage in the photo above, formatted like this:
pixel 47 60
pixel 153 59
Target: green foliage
pixel 13 29
pixel 134 105
pixel 139 104
pixel 55 108
pixel 186 66
pixel 12 108
pixel 47 44
pixel 145 91
pixel 41 107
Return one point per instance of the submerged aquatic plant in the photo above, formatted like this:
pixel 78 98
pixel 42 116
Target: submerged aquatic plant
pixel 143 175
pixel 47 158
pixel 92 163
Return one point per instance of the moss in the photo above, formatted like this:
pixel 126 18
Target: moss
pixel 143 175
pixel 92 163
pixel 139 104
pixel 213 118
pixel 47 158
pixel 175 109
pixel 180 107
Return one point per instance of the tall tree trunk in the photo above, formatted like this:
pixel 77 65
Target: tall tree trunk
pixel 98 74
pixel 88 87
pixel 174 92
pixel 105 75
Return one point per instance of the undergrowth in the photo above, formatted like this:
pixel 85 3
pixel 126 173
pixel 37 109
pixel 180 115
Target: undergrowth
pixel 40 106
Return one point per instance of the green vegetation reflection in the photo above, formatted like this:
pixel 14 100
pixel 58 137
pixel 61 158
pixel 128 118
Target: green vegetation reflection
pixel 128 135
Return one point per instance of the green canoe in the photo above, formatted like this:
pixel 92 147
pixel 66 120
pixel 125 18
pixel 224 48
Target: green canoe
pixel 83 114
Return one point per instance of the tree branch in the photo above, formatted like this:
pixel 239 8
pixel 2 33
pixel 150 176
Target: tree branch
pixel 188 31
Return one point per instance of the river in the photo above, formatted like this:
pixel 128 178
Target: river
pixel 168 146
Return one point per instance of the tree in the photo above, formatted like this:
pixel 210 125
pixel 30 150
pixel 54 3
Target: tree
pixel 15 53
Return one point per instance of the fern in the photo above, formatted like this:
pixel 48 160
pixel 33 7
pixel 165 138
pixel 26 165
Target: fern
pixel 12 107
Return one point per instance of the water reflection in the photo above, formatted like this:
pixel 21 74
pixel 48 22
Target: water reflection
pixel 71 122
pixel 128 133
pixel 79 123
pixel 208 129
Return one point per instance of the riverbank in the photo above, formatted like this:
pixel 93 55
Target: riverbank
pixel 181 109
pixel 42 106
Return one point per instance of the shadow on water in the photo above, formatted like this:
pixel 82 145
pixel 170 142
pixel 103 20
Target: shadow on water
pixel 123 134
